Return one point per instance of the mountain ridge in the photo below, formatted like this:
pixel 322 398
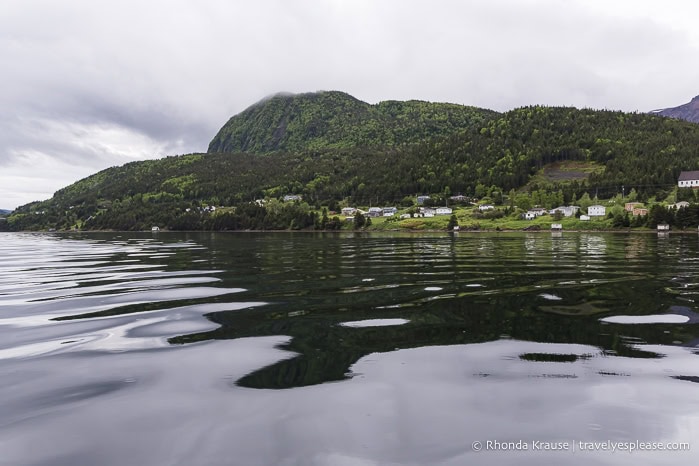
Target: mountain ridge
pixel 335 119
pixel 687 112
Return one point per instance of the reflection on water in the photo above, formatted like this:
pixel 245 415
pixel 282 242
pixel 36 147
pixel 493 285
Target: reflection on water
pixel 171 343
pixel 374 323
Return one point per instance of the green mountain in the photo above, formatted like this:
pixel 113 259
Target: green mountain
pixel 334 119
pixel 494 154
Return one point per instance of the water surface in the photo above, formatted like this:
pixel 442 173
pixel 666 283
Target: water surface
pixel 323 349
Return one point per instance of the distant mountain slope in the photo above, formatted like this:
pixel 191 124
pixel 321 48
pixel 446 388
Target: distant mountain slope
pixel 4 211
pixel 688 111
pixel 332 119
pixel 505 152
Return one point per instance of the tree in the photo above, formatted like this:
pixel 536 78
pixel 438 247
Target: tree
pixel 324 219
pixel 335 223
pixel 453 222
pixel 497 197
pixel 359 221
pixel 584 202
pixel 523 201
pixel 511 198
pixel 407 201
pixel 685 194
pixel 559 197
pixel 658 214
pixel 683 217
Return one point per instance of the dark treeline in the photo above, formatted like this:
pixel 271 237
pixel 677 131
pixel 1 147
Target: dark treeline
pixel 137 215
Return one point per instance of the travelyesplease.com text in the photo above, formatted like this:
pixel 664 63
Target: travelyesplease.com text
pixel 575 445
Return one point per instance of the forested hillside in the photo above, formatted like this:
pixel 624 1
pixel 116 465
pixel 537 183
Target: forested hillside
pixel 498 154
pixel 636 149
pixel 334 119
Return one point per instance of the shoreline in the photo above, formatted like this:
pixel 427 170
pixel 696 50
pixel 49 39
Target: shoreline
pixel 541 231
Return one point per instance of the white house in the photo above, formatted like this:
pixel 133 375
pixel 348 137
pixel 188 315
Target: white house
pixel 597 211
pixel 585 218
pixel 680 204
pixel 556 226
pixel 421 199
pixel 533 213
pixel 292 197
pixel 427 211
pixel 349 211
pixel 484 207
pixel 566 211
pixel 375 212
pixel 688 179
pixel 403 216
pixel 389 211
pixel 443 211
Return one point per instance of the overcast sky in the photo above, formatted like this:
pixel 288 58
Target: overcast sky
pixel 85 84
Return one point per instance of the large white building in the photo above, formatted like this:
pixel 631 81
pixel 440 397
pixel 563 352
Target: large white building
pixel 688 179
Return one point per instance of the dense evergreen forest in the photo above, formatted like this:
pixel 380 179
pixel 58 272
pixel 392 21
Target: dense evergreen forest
pixel 334 119
pixel 323 154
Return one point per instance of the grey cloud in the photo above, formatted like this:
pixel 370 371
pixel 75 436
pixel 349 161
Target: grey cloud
pixel 165 75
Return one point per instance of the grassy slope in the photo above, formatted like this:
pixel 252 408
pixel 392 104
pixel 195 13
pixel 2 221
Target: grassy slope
pixel 565 171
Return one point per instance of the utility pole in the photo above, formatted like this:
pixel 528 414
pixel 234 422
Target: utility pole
pixel 622 191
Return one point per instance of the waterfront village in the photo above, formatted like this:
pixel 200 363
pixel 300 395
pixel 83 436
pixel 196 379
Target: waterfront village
pixel 492 210
pixel 459 212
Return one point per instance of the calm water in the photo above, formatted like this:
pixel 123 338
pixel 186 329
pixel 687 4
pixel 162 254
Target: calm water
pixel 315 349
